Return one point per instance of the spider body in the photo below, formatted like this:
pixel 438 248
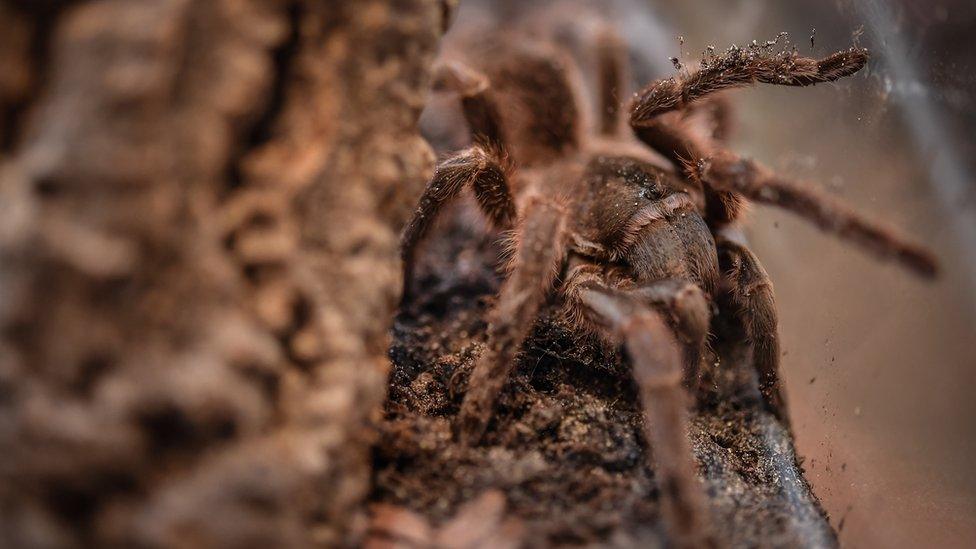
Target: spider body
pixel 628 230
pixel 635 216
pixel 620 195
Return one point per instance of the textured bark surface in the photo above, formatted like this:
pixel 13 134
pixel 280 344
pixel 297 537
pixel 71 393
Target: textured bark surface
pixel 184 358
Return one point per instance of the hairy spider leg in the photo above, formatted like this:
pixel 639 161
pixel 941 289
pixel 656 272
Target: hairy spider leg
pixel 751 291
pixel 742 67
pixel 477 166
pixel 687 309
pixel 539 253
pixel 726 171
pixel 486 166
pixel 625 318
pixel 726 178
pixel 478 106
pixel 735 68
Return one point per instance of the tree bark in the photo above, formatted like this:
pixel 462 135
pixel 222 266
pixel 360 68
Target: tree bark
pixel 184 358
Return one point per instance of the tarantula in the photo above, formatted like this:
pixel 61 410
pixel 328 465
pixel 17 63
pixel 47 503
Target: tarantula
pixel 631 233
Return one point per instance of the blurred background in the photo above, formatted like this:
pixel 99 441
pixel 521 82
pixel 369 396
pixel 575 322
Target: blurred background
pixel 879 366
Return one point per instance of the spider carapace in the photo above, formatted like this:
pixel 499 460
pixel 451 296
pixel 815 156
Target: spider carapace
pixel 626 220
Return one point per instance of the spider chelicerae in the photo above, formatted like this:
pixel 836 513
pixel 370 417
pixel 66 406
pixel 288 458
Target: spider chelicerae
pixel 630 227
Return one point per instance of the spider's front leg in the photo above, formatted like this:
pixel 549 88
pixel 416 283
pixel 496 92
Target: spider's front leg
pixel 478 166
pixel 655 122
pixel 633 319
pixel 726 178
pixel 736 68
pixel 540 250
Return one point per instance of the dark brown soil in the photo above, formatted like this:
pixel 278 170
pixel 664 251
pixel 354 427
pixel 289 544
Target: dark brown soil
pixel 566 448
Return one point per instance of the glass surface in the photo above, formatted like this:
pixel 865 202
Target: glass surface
pixel 880 366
